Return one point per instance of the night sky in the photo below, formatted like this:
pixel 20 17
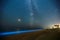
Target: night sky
pixel 12 10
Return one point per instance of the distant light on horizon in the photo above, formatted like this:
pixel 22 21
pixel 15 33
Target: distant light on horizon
pixel 55 26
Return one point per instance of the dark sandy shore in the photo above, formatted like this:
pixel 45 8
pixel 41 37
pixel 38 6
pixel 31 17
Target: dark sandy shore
pixel 46 34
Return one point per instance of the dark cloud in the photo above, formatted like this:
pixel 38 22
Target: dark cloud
pixel 3 2
pixel 2 5
pixel 57 5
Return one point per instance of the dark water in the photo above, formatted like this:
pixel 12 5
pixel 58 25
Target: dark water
pixel 15 28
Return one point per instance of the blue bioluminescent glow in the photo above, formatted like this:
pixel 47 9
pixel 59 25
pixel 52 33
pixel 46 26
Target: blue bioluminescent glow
pixel 17 32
